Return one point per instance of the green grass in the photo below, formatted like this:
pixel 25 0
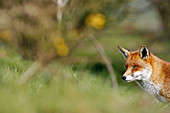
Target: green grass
pixel 66 91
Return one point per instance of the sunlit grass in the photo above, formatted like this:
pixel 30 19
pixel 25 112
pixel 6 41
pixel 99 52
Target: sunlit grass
pixel 68 91
pixel 61 89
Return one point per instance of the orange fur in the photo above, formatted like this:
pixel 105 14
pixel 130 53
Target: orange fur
pixel 160 69
pixel 161 75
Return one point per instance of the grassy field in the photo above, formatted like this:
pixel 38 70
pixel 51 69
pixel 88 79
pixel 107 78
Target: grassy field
pixel 79 83
pixel 70 90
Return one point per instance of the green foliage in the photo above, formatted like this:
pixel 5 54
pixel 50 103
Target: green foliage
pixel 66 91
pixel 30 27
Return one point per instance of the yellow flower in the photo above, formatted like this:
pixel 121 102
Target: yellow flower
pixel 5 36
pixel 62 50
pixel 96 21
pixel 59 44
pixel 58 41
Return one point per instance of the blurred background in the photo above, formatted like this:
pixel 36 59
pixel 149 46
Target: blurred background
pixel 62 56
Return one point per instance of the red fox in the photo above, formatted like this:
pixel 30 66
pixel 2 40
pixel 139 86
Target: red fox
pixel 150 72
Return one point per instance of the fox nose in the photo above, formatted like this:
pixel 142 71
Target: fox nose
pixel 124 77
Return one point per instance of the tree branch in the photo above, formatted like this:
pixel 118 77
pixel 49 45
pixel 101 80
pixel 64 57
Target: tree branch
pixel 30 72
pixel 60 5
pixel 105 59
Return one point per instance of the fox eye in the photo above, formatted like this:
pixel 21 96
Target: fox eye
pixel 135 67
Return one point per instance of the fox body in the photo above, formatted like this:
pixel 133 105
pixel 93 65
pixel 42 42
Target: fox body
pixel 150 72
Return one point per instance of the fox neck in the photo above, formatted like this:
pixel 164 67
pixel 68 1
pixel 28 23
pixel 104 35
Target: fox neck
pixel 156 76
pixel 155 83
pixel 148 86
pixel 152 89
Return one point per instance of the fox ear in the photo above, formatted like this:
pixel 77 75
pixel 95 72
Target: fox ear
pixel 125 52
pixel 144 52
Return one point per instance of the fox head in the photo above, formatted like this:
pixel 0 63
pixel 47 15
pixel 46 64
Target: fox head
pixel 138 64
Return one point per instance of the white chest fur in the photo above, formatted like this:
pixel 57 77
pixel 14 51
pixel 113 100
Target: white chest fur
pixel 151 88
